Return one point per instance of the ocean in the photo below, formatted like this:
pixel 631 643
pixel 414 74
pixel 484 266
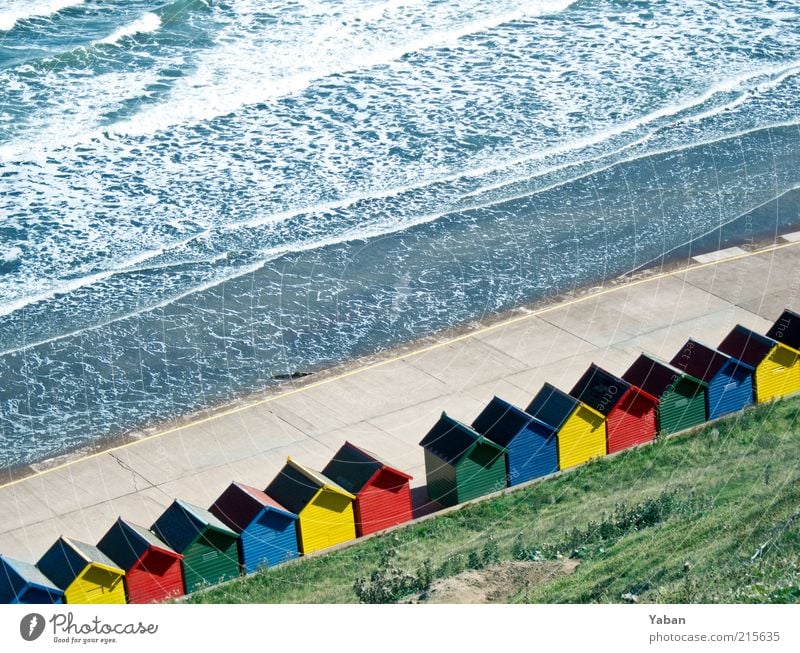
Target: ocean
pixel 200 197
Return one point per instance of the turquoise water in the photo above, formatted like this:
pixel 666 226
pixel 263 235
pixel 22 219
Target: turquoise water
pixel 199 196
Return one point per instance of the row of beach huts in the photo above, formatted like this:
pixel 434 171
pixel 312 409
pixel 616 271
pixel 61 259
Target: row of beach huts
pixel 302 511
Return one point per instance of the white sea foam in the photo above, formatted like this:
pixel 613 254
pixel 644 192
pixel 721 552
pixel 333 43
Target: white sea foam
pixel 604 145
pixel 265 256
pixel 767 78
pixel 143 25
pixel 645 154
pixel 133 264
pixel 379 10
pixel 235 73
pixel 9 17
pixel 10 255
pixel 63 287
pixel 271 254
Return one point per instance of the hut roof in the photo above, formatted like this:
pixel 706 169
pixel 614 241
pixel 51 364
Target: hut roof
pixel 353 467
pixel 787 329
pixel 501 422
pixel 451 440
pixel 552 406
pixel 702 361
pixel 600 389
pixel 747 345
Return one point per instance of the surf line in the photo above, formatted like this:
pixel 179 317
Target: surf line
pixel 417 352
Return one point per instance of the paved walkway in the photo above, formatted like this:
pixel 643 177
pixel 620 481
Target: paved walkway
pixel 389 406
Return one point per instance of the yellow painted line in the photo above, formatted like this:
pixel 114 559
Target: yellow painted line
pixel 416 352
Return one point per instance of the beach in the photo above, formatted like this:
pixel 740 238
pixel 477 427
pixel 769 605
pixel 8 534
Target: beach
pixel 387 403
pixel 186 223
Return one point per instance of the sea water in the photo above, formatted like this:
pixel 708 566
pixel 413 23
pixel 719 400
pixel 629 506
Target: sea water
pixel 200 196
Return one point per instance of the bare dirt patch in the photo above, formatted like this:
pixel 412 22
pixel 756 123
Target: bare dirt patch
pixel 498 583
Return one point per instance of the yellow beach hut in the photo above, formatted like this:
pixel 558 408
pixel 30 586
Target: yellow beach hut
pixel 324 509
pixel 580 429
pixel 777 366
pixel 83 572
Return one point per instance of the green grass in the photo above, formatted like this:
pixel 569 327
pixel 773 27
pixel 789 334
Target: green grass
pixel 712 516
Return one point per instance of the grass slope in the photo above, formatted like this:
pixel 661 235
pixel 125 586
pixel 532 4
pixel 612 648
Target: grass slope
pixel 712 516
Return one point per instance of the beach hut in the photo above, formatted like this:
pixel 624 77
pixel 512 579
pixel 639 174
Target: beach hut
pixel 531 449
pixel 777 367
pixel 681 396
pixel 83 572
pixel 324 509
pixel 730 381
pixel 630 412
pixel 460 463
pixel 267 530
pixel 786 329
pixel 22 582
pixel 580 429
pixel 153 570
pixel 383 492
pixel 208 546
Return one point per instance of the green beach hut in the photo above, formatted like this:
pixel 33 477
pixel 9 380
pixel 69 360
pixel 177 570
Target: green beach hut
pixel 681 397
pixel 209 547
pixel 461 464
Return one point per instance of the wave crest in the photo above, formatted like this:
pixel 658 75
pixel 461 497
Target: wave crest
pixel 10 17
pixel 143 25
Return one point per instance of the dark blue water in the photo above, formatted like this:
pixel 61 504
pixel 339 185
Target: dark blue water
pixel 198 196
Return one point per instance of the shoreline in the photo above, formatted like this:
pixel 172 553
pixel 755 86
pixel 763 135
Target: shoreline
pixel 312 377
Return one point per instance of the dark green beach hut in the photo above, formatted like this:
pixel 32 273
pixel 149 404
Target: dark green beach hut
pixel 209 547
pixel 461 464
pixel 681 397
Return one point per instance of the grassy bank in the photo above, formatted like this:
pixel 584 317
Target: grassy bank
pixel 713 516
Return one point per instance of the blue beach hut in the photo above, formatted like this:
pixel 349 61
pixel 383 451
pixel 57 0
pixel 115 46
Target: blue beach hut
pixel 531 444
pixel 730 381
pixel 22 582
pixel 267 530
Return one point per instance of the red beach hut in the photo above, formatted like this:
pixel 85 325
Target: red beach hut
pixel 383 495
pixel 630 411
pixel 153 570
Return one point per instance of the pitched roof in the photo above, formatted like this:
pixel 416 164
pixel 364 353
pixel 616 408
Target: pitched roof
pixel 292 489
pixel 746 345
pixel 353 467
pixel 296 485
pixel 702 361
pixel 655 376
pixel 787 329
pixel 66 559
pixel 182 523
pixel 240 504
pixel 501 422
pixel 146 537
pixel 61 563
pixel 552 406
pixel 29 573
pixel 204 517
pixel 91 553
pixel 451 440
pixel 125 543
pixel 600 389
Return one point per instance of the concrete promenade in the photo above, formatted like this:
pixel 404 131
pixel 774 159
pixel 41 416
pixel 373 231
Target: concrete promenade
pixel 388 406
